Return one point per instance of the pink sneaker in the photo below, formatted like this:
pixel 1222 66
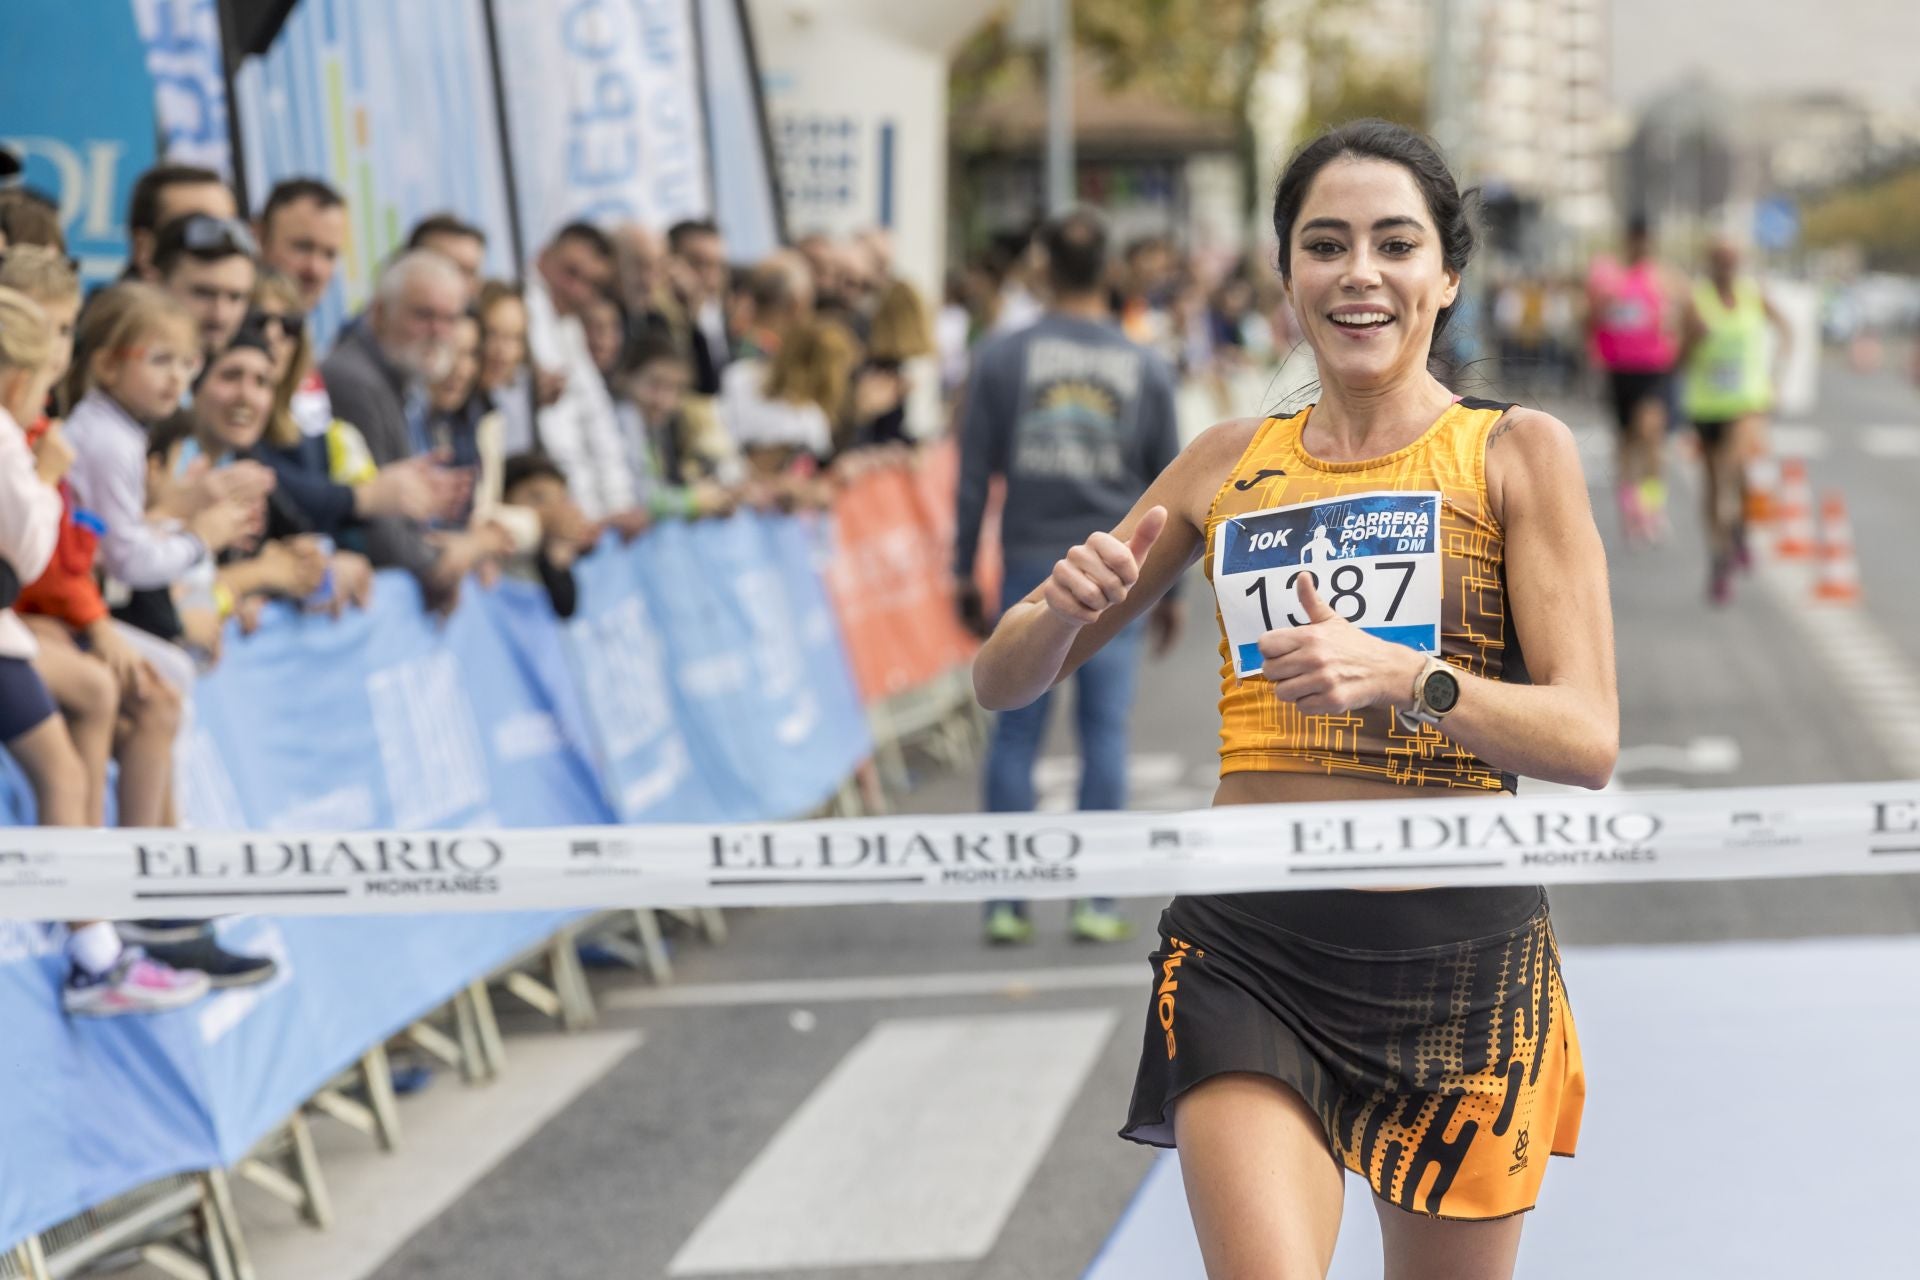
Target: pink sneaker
pixel 1633 516
pixel 135 984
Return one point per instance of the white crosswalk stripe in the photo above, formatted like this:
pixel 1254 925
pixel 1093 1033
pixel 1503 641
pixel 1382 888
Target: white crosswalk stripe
pixel 915 1149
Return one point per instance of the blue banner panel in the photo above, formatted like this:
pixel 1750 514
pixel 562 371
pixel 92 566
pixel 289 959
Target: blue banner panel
pixel 79 110
pixel 703 678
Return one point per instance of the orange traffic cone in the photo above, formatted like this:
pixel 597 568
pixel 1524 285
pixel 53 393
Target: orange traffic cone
pixel 1793 512
pixel 1839 577
pixel 1763 477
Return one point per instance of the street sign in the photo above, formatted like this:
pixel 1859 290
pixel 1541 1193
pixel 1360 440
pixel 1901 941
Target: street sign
pixel 1776 224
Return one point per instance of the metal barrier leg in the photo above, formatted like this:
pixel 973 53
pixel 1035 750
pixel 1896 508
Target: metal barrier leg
pixel 318 1208
pixel 466 1023
pixel 213 1235
pixel 31 1259
pixel 440 1045
pixel 653 946
pixel 714 924
pixel 570 982
pixel 493 1050
pixel 377 1117
pixel 231 1246
pixel 289 1171
pixel 380 1099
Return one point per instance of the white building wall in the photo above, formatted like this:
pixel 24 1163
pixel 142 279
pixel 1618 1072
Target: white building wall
pixel 857 105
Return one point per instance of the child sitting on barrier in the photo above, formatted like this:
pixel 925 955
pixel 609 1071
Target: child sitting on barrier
pixel 136 352
pixel 115 704
pixel 106 977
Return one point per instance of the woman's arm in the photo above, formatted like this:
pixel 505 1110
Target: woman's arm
pixel 1110 579
pixel 1565 726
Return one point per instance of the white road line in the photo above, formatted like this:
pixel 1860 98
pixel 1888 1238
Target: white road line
pixel 1798 440
pixel 1013 984
pixel 1701 755
pixel 915 1148
pixel 1864 661
pixel 453 1136
pixel 1890 441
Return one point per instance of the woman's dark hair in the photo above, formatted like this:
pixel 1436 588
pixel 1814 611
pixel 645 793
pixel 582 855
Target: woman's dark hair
pixel 1447 205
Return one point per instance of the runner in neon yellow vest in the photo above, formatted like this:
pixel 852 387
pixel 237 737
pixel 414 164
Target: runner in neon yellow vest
pixel 1727 391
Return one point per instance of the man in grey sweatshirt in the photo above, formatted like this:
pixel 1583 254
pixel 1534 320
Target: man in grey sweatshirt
pixel 1079 421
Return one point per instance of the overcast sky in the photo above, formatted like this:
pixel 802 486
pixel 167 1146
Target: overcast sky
pixel 1746 45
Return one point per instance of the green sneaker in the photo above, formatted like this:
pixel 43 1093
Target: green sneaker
pixel 1099 924
pixel 1007 927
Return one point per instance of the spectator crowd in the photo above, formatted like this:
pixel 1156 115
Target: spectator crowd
pixel 178 455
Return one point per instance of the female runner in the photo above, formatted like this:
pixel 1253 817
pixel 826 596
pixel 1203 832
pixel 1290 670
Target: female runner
pixel 1379 561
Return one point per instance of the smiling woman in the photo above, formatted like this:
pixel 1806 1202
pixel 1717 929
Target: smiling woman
pixel 1379 558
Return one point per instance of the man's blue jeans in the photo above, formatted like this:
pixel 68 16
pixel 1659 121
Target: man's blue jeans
pixel 1103 691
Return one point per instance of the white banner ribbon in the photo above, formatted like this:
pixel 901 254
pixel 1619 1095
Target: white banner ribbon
pixel 1753 833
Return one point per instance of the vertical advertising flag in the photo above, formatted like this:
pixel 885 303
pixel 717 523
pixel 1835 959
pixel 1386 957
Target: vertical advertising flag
pixel 394 105
pixel 604 111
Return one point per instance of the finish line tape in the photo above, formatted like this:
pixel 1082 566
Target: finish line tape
pixel 1756 833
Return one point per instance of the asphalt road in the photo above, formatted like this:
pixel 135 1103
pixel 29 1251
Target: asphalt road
pixel 756 1103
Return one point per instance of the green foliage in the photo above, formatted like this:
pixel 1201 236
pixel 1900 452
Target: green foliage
pixel 1876 217
pixel 1198 54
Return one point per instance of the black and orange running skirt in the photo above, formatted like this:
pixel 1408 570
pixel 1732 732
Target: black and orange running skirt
pixel 1429 1030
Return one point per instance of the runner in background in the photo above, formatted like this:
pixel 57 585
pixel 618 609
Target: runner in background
pixel 1727 392
pixel 1630 309
pixel 1079 420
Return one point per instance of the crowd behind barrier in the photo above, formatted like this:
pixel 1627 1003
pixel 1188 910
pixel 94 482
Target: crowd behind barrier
pixel 719 687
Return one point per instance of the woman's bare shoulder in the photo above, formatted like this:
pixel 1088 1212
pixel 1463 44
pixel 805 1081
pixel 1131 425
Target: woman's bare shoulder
pixel 1224 442
pixel 1531 452
pixel 1206 463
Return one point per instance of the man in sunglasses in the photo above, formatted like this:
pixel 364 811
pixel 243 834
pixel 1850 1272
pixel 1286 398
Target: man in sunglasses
pixel 208 264
pixel 164 194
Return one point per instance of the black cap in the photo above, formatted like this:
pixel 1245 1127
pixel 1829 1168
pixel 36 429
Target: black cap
pixel 251 336
pixel 11 165
pixel 522 467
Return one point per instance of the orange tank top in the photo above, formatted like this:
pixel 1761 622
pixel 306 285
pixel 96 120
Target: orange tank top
pixel 1404 547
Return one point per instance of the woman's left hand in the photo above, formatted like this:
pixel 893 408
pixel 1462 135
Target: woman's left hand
pixel 1329 666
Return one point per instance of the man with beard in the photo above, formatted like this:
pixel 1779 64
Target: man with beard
pixel 377 377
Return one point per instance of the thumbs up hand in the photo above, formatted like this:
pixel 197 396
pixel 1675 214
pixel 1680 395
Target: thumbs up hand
pixel 1310 602
pixel 1098 574
pixel 1328 666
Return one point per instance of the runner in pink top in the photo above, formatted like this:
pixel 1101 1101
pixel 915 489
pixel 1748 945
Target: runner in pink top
pixel 1630 311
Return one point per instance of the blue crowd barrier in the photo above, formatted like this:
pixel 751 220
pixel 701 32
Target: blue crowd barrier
pixel 702 678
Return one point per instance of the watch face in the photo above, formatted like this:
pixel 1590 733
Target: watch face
pixel 1441 691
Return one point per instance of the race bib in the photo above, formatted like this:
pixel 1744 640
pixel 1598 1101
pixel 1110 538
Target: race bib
pixel 1373 557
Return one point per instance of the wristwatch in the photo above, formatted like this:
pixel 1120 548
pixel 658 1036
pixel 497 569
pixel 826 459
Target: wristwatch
pixel 1436 691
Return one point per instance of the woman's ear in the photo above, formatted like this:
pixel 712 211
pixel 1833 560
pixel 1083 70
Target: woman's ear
pixel 1453 288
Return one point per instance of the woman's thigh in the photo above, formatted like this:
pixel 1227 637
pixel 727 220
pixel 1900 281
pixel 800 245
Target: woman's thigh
pixel 1263 1188
pixel 1418 1247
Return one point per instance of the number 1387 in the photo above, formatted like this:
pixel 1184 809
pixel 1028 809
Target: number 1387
pixel 1348 581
